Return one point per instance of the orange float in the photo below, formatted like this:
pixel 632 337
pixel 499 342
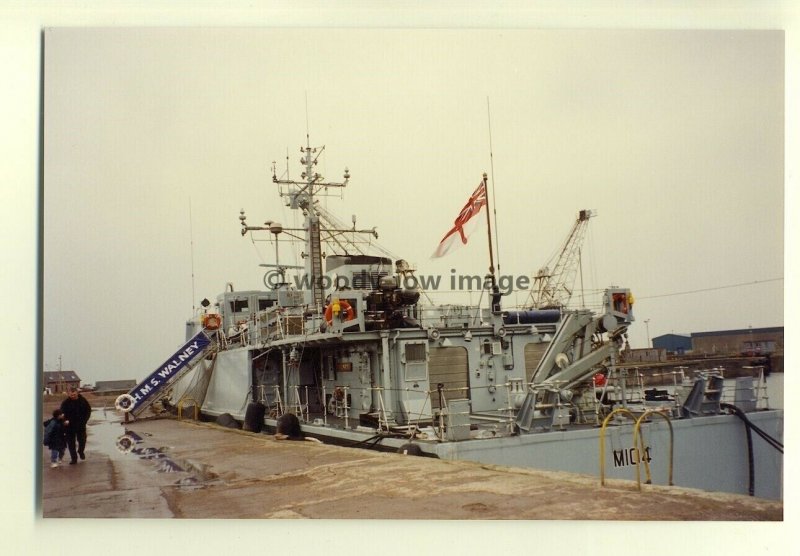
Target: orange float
pixel 344 309
pixel 212 321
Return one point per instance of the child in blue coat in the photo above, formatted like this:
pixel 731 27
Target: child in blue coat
pixel 55 437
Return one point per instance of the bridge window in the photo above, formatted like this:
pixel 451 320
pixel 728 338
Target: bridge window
pixel 265 304
pixel 239 306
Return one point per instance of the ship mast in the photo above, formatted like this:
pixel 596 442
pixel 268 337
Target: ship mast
pixel 319 226
pixel 301 196
pixel 495 292
pixel 495 295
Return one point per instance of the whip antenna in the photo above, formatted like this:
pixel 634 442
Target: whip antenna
pixel 494 204
pixel 307 126
pixel 191 252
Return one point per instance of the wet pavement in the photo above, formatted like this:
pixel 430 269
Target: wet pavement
pixel 165 468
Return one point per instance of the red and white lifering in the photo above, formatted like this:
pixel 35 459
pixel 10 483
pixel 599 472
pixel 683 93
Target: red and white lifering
pixel 212 321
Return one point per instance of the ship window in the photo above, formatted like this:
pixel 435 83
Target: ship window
pixel 759 347
pixel 265 304
pixel 415 353
pixel 367 280
pixel 239 305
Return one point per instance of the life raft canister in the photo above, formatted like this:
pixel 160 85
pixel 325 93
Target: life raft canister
pixel 212 321
pixel 337 307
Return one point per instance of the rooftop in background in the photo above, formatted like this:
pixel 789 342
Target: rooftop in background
pixel 113 385
pixel 60 376
pixel 673 343
pixel 770 330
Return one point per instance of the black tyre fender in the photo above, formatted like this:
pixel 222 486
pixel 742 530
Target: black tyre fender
pixel 254 417
pixel 289 427
pixel 410 449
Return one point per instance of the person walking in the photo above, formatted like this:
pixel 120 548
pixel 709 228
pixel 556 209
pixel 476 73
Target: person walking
pixel 55 438
pixel 76 414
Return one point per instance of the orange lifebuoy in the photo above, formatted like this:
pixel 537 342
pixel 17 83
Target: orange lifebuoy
pixel 345 309
pixel 212 321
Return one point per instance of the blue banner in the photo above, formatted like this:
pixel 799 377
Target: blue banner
pixel 168 370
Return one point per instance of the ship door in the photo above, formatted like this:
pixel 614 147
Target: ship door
pixel 448 366
pixel 414 398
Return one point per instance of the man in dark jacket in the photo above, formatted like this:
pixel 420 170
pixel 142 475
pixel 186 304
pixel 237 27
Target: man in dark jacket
pixel 76 414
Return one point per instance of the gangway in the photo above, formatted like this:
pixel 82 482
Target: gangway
pixel 156 384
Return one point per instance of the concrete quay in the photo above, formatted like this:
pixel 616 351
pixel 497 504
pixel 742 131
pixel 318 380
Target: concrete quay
pixel 166 468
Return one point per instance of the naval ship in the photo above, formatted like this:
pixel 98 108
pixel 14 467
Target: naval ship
pixel 351 352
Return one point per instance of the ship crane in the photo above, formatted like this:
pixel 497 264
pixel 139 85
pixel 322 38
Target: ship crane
pixel 554 282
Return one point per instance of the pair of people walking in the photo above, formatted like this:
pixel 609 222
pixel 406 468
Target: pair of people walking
pixel 67 429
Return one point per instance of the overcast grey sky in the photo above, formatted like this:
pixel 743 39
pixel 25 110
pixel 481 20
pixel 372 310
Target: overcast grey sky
pixel 674 137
